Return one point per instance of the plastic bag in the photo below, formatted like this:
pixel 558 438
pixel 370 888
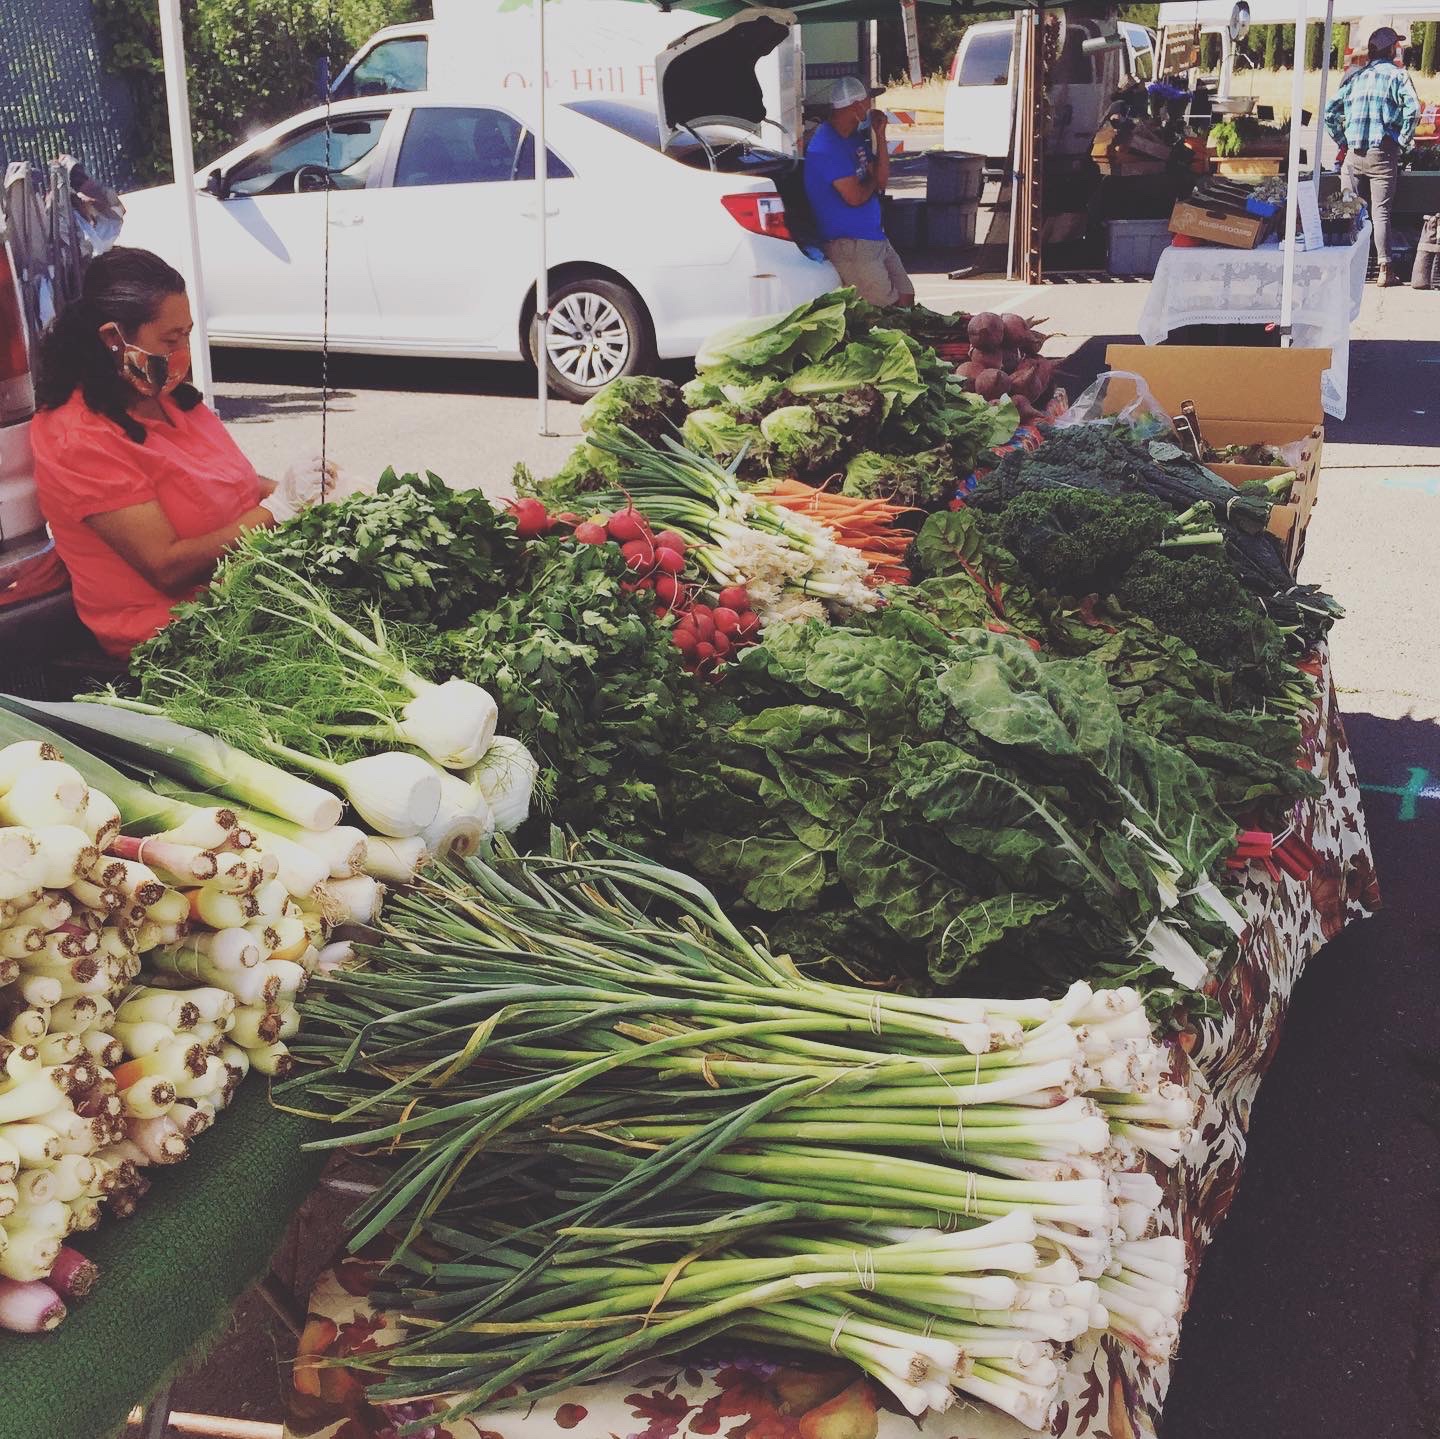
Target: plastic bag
pixel 1120 395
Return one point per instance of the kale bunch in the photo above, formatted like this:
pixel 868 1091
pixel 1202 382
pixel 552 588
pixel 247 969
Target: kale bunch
pixel 1079 542
pixel 1197 598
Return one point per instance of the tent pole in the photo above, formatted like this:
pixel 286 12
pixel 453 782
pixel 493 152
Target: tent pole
pixel 542 261
pixel 1017 114
pixel 1292 188
pixel 1325 45
pixel 182 158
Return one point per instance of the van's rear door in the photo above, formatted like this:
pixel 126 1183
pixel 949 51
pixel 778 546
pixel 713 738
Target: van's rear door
pixel 980 100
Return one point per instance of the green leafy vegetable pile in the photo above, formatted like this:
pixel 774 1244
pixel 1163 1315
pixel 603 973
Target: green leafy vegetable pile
pixel 946 808
pixel 579 666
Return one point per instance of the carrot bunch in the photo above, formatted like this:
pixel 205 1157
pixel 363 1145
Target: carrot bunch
pixel 857 522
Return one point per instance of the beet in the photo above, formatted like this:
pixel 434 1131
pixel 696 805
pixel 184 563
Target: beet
pixel 988 359
pixel 986 330
pixel 1010 359
pixel 1016 328
pixel 992 385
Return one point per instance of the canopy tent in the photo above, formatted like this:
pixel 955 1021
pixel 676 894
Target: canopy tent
pixel 1282 12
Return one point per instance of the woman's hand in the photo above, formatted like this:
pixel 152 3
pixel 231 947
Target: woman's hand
pixel 307 482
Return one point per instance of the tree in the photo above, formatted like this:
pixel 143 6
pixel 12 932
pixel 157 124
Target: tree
pixel 1341 37
pixel 939 36
pixel 1287 47
pixel 251 62
pixel 1314 45
pixel 1209 53
pixel 1271 42
pixel 1429 45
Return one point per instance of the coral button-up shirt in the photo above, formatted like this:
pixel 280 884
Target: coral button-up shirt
pixel 86 465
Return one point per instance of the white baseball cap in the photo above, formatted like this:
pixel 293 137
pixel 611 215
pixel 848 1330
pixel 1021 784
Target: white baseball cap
pixel 850 90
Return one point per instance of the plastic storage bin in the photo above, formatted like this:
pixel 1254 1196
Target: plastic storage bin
pixel 951 227
pixel 953 178
pixel 1134 246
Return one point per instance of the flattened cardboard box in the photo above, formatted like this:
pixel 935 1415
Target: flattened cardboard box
pixel 1243 395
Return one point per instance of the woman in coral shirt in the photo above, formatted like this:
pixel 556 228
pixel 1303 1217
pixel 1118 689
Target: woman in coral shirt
pixel 142 487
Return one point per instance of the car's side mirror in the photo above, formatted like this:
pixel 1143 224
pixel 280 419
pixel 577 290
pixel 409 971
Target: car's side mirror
pixel 215 185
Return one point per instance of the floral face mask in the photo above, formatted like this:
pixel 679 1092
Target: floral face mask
pixel 151 374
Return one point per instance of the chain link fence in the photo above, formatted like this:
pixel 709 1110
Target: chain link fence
pixel 54 96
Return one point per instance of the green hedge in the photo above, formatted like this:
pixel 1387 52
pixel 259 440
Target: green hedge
pixel 1429 45
pixel 250 63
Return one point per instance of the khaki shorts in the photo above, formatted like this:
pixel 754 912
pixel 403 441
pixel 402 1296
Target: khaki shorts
pixel 873 268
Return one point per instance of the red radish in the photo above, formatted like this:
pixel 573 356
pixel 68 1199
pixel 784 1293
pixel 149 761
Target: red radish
pixel 669 589
pixel 749 624
pixel 703 625
pixel 567 518
pixel 727 621
pixel 590 533
pixel 735 597
pixel 684 640
pixel 672 540
pixel 639 554
pixel 722 644
pixel 531 518
pixel 704 651
pixel 72 1275
pixel 627 525
pixel 30 1308
pixel 671 561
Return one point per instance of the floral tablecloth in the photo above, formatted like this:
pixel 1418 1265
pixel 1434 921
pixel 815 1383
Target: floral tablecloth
pixel 1213 285
pixel 1110 1392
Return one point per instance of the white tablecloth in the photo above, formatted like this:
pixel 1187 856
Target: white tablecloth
pixel 1213 285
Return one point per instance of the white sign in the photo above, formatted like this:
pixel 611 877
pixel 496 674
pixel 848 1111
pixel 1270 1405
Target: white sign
pixel 1312 232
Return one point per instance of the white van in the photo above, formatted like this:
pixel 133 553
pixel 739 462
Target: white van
pixel 980 99
pixel 611 49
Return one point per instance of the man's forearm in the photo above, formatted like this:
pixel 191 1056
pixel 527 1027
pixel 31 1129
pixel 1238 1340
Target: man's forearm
pixel 881 174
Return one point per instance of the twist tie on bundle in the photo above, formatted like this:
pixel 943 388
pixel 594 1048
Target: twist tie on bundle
pixel 875 1015
pixel 863 1261
pixel 839 1328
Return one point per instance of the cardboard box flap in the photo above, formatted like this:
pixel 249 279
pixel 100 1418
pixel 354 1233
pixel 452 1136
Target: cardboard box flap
pixel 1230 382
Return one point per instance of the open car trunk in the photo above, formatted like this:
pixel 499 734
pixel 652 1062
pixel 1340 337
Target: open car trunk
pixel 708 87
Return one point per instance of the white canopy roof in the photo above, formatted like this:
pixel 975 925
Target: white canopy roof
pixel 1282 12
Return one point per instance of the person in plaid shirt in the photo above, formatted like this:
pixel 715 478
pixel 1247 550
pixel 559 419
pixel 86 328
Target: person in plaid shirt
pixel 1372 119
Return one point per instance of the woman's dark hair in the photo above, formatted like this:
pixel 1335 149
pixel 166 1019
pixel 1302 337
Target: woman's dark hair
pixel 123 285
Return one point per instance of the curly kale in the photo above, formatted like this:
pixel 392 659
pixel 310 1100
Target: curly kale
pixel 1197 598
pixel 1078 542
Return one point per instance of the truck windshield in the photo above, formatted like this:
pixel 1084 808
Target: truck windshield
pixel 986 58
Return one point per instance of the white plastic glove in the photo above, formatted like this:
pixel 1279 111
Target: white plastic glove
pixel 307 482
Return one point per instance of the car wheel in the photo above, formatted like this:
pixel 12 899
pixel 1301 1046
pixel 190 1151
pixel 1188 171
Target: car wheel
pixel 598 332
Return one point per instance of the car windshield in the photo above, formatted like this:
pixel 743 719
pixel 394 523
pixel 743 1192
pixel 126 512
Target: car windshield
pixel 632 120
pixel 986 60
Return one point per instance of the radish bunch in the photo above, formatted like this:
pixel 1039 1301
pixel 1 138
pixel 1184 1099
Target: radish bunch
pixel 707 635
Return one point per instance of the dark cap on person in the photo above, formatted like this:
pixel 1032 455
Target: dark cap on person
pixel 1382 42
pixel 850 90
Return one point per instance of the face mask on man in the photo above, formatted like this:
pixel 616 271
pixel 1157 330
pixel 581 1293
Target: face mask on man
pixel 151 374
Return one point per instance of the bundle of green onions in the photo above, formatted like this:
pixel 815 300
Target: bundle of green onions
pixel 627 1128
pixel 788 562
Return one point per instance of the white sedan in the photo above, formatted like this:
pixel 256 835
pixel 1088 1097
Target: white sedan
pixel 407 225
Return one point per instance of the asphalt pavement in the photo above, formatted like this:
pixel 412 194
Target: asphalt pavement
pixel 1317 1314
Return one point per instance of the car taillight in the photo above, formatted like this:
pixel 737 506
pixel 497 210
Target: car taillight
pixel 14 357
pixel 760 213
pixel 954 64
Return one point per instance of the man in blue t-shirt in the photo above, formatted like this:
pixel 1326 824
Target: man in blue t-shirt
pixel 844 179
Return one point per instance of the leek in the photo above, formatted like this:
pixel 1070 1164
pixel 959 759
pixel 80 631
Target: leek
pixel 151 740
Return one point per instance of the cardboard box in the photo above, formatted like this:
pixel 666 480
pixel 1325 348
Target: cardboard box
pixel 1244 396
pixel 1218 227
